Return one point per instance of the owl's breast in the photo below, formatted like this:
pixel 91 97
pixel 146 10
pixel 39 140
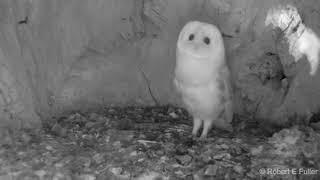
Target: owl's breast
pixel 195 70
pixel 202 99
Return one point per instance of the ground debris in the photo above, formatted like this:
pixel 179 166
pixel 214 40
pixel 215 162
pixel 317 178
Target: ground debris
pixel 153 143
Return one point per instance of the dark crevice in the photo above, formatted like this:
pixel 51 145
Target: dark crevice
pixel 315 118
pixel 24 21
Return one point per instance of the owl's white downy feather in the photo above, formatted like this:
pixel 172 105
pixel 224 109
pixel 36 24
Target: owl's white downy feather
pixel 202 76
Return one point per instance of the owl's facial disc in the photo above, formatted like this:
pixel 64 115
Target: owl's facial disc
pixel 197 45
pixel 200 40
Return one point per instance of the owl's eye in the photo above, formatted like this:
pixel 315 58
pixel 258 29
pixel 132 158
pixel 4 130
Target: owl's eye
pixel 206 40
pixel 191 37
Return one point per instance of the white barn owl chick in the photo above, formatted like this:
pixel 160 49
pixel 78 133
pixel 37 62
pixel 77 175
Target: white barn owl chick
pixel 203 78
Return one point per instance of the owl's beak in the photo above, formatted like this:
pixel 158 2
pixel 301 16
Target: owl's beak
pixel 191 50
pixel 196 47
pixel 195 55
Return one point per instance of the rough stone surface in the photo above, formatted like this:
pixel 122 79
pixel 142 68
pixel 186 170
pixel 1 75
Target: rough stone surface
pixel 58 56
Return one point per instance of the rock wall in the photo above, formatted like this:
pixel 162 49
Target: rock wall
pixel 57 56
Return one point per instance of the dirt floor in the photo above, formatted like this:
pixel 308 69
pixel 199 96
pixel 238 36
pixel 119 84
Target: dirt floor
pixel 154 143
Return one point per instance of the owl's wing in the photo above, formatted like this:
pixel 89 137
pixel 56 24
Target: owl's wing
pixel 228 94
pixel 177 85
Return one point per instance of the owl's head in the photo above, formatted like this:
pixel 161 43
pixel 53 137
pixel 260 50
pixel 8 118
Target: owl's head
pixel 200 40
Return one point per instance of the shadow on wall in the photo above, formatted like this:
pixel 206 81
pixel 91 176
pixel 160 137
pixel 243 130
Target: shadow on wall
pixel 78 55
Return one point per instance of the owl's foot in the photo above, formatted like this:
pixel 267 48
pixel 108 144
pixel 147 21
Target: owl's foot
pixel 203 137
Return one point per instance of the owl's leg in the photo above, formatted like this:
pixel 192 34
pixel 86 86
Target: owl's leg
pixel 196 126
pixel 206 127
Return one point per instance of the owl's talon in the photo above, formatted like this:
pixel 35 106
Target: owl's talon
pixel 203 137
